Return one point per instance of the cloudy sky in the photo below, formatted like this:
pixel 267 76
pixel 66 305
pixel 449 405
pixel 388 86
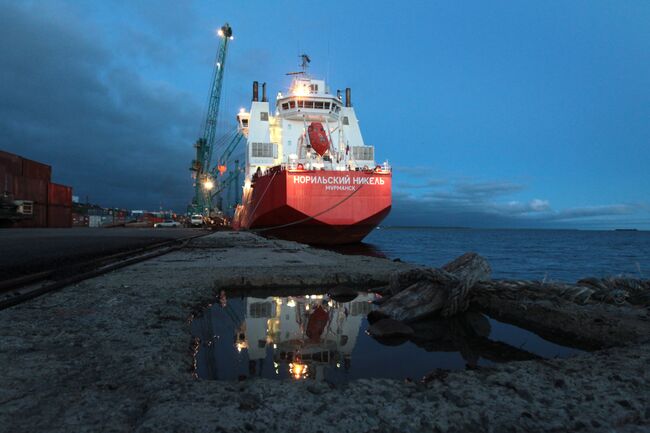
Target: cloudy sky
pixel 493 114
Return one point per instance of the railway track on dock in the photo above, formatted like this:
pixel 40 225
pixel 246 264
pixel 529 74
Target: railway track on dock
pixel 18 290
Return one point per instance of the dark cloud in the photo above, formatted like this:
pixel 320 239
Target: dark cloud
pixel 429 183
pixel 486 204
pixel 415 171
pixel 595 212
pixel 486 189
pixel 112 135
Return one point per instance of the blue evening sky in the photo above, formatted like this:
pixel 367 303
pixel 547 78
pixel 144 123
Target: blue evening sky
pixel 493 114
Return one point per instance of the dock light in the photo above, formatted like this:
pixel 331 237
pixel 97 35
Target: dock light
pixel 291 303
pixel 242 110
pixel 220 32
pixel 208 185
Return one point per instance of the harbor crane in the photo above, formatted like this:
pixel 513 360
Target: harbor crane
pixel 204 177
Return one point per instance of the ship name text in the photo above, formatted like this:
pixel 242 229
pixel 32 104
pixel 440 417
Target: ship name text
pixel 339 180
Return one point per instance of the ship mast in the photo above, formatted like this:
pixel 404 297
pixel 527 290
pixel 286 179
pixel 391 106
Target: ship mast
pixel 304 65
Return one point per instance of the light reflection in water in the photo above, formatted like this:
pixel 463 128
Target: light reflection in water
pixel 307 335
pixel 296 337
pixel 315 337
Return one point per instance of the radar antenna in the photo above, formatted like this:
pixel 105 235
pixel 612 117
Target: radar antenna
pixel 304 65
pixel 305 62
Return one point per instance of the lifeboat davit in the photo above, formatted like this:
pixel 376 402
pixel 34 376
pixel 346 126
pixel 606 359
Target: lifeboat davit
pixel 317 323
pixel 318 138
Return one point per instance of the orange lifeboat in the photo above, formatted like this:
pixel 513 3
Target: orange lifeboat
pixel 318 138
pixel 316 324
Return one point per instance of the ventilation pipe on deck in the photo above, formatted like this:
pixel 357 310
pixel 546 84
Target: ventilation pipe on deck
pixel 255 94
pixel 348 97
pixel 264 93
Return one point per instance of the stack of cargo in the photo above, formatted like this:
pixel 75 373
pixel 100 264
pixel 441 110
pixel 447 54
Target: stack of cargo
pixel 22 179
pixel 59 205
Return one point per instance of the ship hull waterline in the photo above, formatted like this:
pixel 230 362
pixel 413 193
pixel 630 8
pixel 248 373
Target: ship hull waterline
pixel 320 207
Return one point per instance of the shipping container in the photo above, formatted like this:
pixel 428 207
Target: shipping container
pixel 26 188
pixel 60 195
pixel 6 183
pixel 59 216
pixel 38 219
pixel 10 163
pixel 36 170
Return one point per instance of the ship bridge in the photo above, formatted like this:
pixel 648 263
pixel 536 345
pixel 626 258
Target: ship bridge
pixel 307 100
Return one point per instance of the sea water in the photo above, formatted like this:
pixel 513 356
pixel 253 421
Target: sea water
pixel 550 255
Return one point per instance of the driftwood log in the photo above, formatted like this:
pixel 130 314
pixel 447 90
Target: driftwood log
pixel 592 314
pixel 419 293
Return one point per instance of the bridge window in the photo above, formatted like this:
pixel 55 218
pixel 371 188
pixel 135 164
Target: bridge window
pixel 327 105
pixel 263 150
pixel 260 309
pixel 313 88
pixel 318 105
pixel 301 104
pixel 285 106
pixel 309 104
pixel 363 153
pixel 292 104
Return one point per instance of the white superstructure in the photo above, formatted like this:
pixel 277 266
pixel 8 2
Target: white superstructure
pixel 278 135
pixel 281 322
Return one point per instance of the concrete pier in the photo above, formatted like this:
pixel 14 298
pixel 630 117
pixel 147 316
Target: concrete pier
pixel 114 353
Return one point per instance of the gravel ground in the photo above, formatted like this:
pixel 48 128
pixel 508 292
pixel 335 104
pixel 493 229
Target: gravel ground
pixel 114 354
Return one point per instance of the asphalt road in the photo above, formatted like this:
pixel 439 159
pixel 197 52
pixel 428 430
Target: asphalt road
pixel 25 251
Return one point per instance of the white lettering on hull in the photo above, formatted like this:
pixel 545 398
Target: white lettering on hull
pixel 338 180
pixel 340 188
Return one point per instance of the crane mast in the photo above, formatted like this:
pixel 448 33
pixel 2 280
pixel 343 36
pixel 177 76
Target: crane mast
pixel 204 180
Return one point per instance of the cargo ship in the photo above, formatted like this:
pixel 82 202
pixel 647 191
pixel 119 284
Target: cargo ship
pixel 308 175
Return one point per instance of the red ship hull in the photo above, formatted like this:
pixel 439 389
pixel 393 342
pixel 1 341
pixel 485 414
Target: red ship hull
pixel 315 207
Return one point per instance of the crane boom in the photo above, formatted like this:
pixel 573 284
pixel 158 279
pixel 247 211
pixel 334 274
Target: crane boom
pixel 202 203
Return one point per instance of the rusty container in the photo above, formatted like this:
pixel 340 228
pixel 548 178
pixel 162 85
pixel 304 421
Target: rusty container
pixel 59 216
pixel 36 170
pixel 59 195
pixel 26 188
pixel 6 183
pixel 10 164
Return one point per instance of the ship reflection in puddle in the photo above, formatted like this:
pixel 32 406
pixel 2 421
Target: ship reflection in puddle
pixel 317 337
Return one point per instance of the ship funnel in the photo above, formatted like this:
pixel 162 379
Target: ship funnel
pixel 338 94
pixel 255 99
pixel 264 93
pixel 348 97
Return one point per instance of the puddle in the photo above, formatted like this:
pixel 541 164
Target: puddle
pixel 315 337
